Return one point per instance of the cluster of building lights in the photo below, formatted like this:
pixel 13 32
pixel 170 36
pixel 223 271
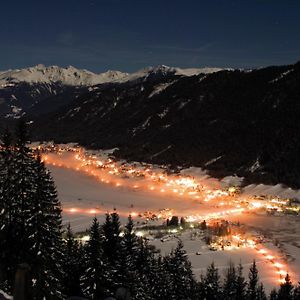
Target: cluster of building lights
pixel 183 186
pixel 108 171
pixel 239 242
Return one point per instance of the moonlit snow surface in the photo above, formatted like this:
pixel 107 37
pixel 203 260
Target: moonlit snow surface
pixel 91 197
pixel 221 259
pixel 76 189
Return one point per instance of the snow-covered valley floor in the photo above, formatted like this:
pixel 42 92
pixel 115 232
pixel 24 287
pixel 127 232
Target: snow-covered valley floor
pixel 77 189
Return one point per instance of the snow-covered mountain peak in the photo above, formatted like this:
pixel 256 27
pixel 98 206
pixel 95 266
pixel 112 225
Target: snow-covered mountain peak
pixel 81 77
pixel 184 72
pixel 68 76
pixel 165 70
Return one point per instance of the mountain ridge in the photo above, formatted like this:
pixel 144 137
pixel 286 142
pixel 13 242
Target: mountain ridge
pixel 68 76
pixel 242 122
pixel 73 76
pixel 40 89
pixel 229 122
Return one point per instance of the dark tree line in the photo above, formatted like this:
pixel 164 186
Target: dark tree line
pixel 30 218
pixel 59 266
pixel 110 261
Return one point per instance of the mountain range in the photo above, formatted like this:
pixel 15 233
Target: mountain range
pixel 42 89
pixel 243 122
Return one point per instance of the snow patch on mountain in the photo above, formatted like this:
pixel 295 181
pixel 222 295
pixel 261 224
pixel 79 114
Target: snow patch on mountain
pixel 16 112
pixel 160 152
pixel 256 165
pixel 210 162
pixel 163 113
pixel 282 76
pixel 142 127
pixel 160 87
pixel 184 103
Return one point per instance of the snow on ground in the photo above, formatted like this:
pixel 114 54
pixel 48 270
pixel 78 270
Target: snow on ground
pixel 284 230
pixel 277 190
pixel 6 296
pixel 274 190
pixel 159 88
pixel 231 181
pixel 220 258
pixel 82 191
pixel 200 175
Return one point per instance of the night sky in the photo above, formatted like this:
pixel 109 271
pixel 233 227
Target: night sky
pixel 128 35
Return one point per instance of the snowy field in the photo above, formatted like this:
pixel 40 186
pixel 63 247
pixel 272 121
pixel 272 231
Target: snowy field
pixel 221 258
pixel 77 189
pixel 282 230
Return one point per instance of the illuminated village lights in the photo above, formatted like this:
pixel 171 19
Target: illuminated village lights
pixel 182 186
pixel 177 184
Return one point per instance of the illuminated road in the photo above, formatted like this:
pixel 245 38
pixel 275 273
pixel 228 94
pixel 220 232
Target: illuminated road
pixel 142 190
pixel 90 185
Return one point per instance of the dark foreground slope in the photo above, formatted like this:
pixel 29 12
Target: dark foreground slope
pixel 230 122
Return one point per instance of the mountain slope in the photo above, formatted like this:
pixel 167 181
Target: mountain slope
pixel 39 89
pixel 230 122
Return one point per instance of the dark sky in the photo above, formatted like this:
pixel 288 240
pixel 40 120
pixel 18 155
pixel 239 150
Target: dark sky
pixel 130 34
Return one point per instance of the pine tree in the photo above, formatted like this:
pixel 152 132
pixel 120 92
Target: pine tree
pixel 33 224
pixel 95 278
pixel 252 291
pixel 241 284
pixel 17 189
pixel 112 241
pixel 24 187
pixel 144 267
pixel 6 226
pixel 261 295
pixel 72 265
pixel 128 256
pixel 43 231
pixel 116 230
pixel 230 283
pixel 128 272
pixel 159 279
pixel 138 260
pixel 202 287
pixel 286 289
pixel 273 295
pixel 297 292
pixel 212 289
pixel 107 234
pixel 182 279
pixel 112 249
